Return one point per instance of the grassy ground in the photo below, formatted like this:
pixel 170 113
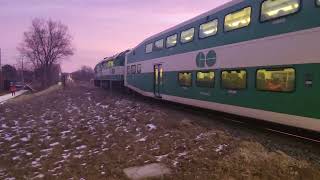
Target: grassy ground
pixel 85 132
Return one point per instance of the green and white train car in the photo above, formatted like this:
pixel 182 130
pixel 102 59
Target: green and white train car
pixel 257 59
pixel 110 71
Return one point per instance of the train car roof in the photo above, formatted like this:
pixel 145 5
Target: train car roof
pixel 208 13
pixel 113 57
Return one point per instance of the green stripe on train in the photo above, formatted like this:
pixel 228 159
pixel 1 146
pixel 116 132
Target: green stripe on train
pixel 303 101
pixel 111 78
pixel 304 19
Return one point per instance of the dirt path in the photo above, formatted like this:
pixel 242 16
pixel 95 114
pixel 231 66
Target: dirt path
pixel 84 132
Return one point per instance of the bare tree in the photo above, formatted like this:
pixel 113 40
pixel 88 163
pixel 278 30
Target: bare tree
pixel 45 44
pixel 86 73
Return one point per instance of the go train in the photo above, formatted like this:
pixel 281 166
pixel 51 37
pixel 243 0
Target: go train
pixel 257 59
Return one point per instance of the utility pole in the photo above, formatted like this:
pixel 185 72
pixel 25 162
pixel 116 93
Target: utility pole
pixel 22 75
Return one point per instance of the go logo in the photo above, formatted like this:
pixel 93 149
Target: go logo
pixel 202 60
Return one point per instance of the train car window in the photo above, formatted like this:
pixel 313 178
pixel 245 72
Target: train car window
pixel 171 41
pixel 278 80
pixel 159 44
pixel 128 70
pixel 187 36
pixel 272 9
pixel 185 79
pixel 208 29
pixel 238 19
pixel 149 48
pixel 133 69
pixel 234 79
pixel 110 64
pixel 205 79
pixel 139 68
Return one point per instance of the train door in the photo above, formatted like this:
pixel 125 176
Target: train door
pixel 158 80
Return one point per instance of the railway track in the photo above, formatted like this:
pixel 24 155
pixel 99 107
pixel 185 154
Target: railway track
pixel 257 125
pixel 245 122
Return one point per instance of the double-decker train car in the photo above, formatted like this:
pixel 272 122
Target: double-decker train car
pixel 110 71
pixel 257 59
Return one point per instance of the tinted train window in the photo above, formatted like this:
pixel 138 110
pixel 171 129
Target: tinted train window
pixel 171 41
pixel 187 36
pixel 128 70
pixel 208 29
pixel 133 69
pixel 205 79
pixel 139 68
pixel 159 44
pixel 272 9
pixel 234 79
pixel 279 80
pixel 149 48
pixel 237 19
pixel 110 64
pixel 185 79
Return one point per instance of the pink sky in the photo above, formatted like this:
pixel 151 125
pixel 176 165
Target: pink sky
pixel 99 28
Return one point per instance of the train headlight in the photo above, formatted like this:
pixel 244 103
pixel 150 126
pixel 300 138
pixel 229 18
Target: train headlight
pixel 318 2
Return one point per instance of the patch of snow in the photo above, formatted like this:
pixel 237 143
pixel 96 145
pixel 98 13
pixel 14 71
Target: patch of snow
pixel 151 127
pixel 220 147
pixel 65 156
pixel 104 106
pixel 59 162
pixel 159 158
pixel 25 139
pixel 55 169
pixel 65 132
pixel 10 178
pixel 46 150
pixel 39 176
pixel 105 149
pixel 142 139
pixel 7 137
pixel 35 163
pixel 4 126
pixel 54 144
pixel 29 154
pixel 183 154
pixel 16 158
pixel 109 135
pixel 199 137
pixel 81 147
pixel 77 156
pixel 112 117
pixel 48 121
pixel 155 148
pixel 175 163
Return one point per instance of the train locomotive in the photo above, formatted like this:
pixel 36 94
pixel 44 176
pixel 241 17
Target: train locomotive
pixel 256 59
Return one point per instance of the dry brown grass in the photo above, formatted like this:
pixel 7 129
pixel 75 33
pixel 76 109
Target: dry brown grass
pixel 99 135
